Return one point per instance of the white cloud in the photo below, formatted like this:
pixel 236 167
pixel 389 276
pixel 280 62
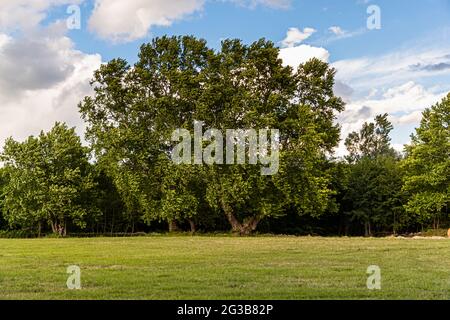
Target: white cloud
pixel 42 80
pixel 401 83
pixel 343 90
pixel 405 99
pixel 411 118
pixel 294 56
pixel 295 36
pixel 4 39
pixel 42 76
pixel 404 104
pixel 28 64
pixel 337 30
pixel 26 14
pixel 394 68
pixel 123 21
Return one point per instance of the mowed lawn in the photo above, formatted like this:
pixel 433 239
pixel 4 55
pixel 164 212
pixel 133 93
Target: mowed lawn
pixel 183 267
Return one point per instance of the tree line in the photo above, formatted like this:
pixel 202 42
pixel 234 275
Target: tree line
pixel 125 181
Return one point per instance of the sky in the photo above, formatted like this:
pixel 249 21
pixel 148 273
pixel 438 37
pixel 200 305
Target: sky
pixel 391 56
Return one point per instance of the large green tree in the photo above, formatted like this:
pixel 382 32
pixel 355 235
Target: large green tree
pixel 179 80
pixel 374 197
pixel 373 193
pixel 427 165
pixel 256 91
pixel 49 181
pixel 371 141
pixel 132 117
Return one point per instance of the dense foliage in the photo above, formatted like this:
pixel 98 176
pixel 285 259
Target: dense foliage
pixel 427 166
pixel 126 181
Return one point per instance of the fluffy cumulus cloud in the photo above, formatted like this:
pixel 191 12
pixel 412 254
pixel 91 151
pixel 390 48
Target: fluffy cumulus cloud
pixel 30 64
pixel 294 56
pixel 42 79
pixel 295 36
pixel 42 75
pixel 123 21
pixel 293 53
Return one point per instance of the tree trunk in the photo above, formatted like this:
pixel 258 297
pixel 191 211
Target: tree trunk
pixel 244 229
pixel 249 225
pixel 394 227
pixel 235 224
pixel 64 228
pixel 59 228
pixel 173 226
pixel 192 225
pixel 54 227
pixel 112 222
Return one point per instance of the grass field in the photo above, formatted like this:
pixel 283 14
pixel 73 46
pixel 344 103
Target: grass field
pixel 182 267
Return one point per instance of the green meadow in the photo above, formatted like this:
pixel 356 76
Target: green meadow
pixel 222 267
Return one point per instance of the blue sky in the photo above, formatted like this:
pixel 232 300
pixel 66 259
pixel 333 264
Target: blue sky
pixel 403 21
pixel 401 68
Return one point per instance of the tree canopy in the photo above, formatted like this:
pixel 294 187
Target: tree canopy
pixel 427 165
pixel 178 81
pixel 49 180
